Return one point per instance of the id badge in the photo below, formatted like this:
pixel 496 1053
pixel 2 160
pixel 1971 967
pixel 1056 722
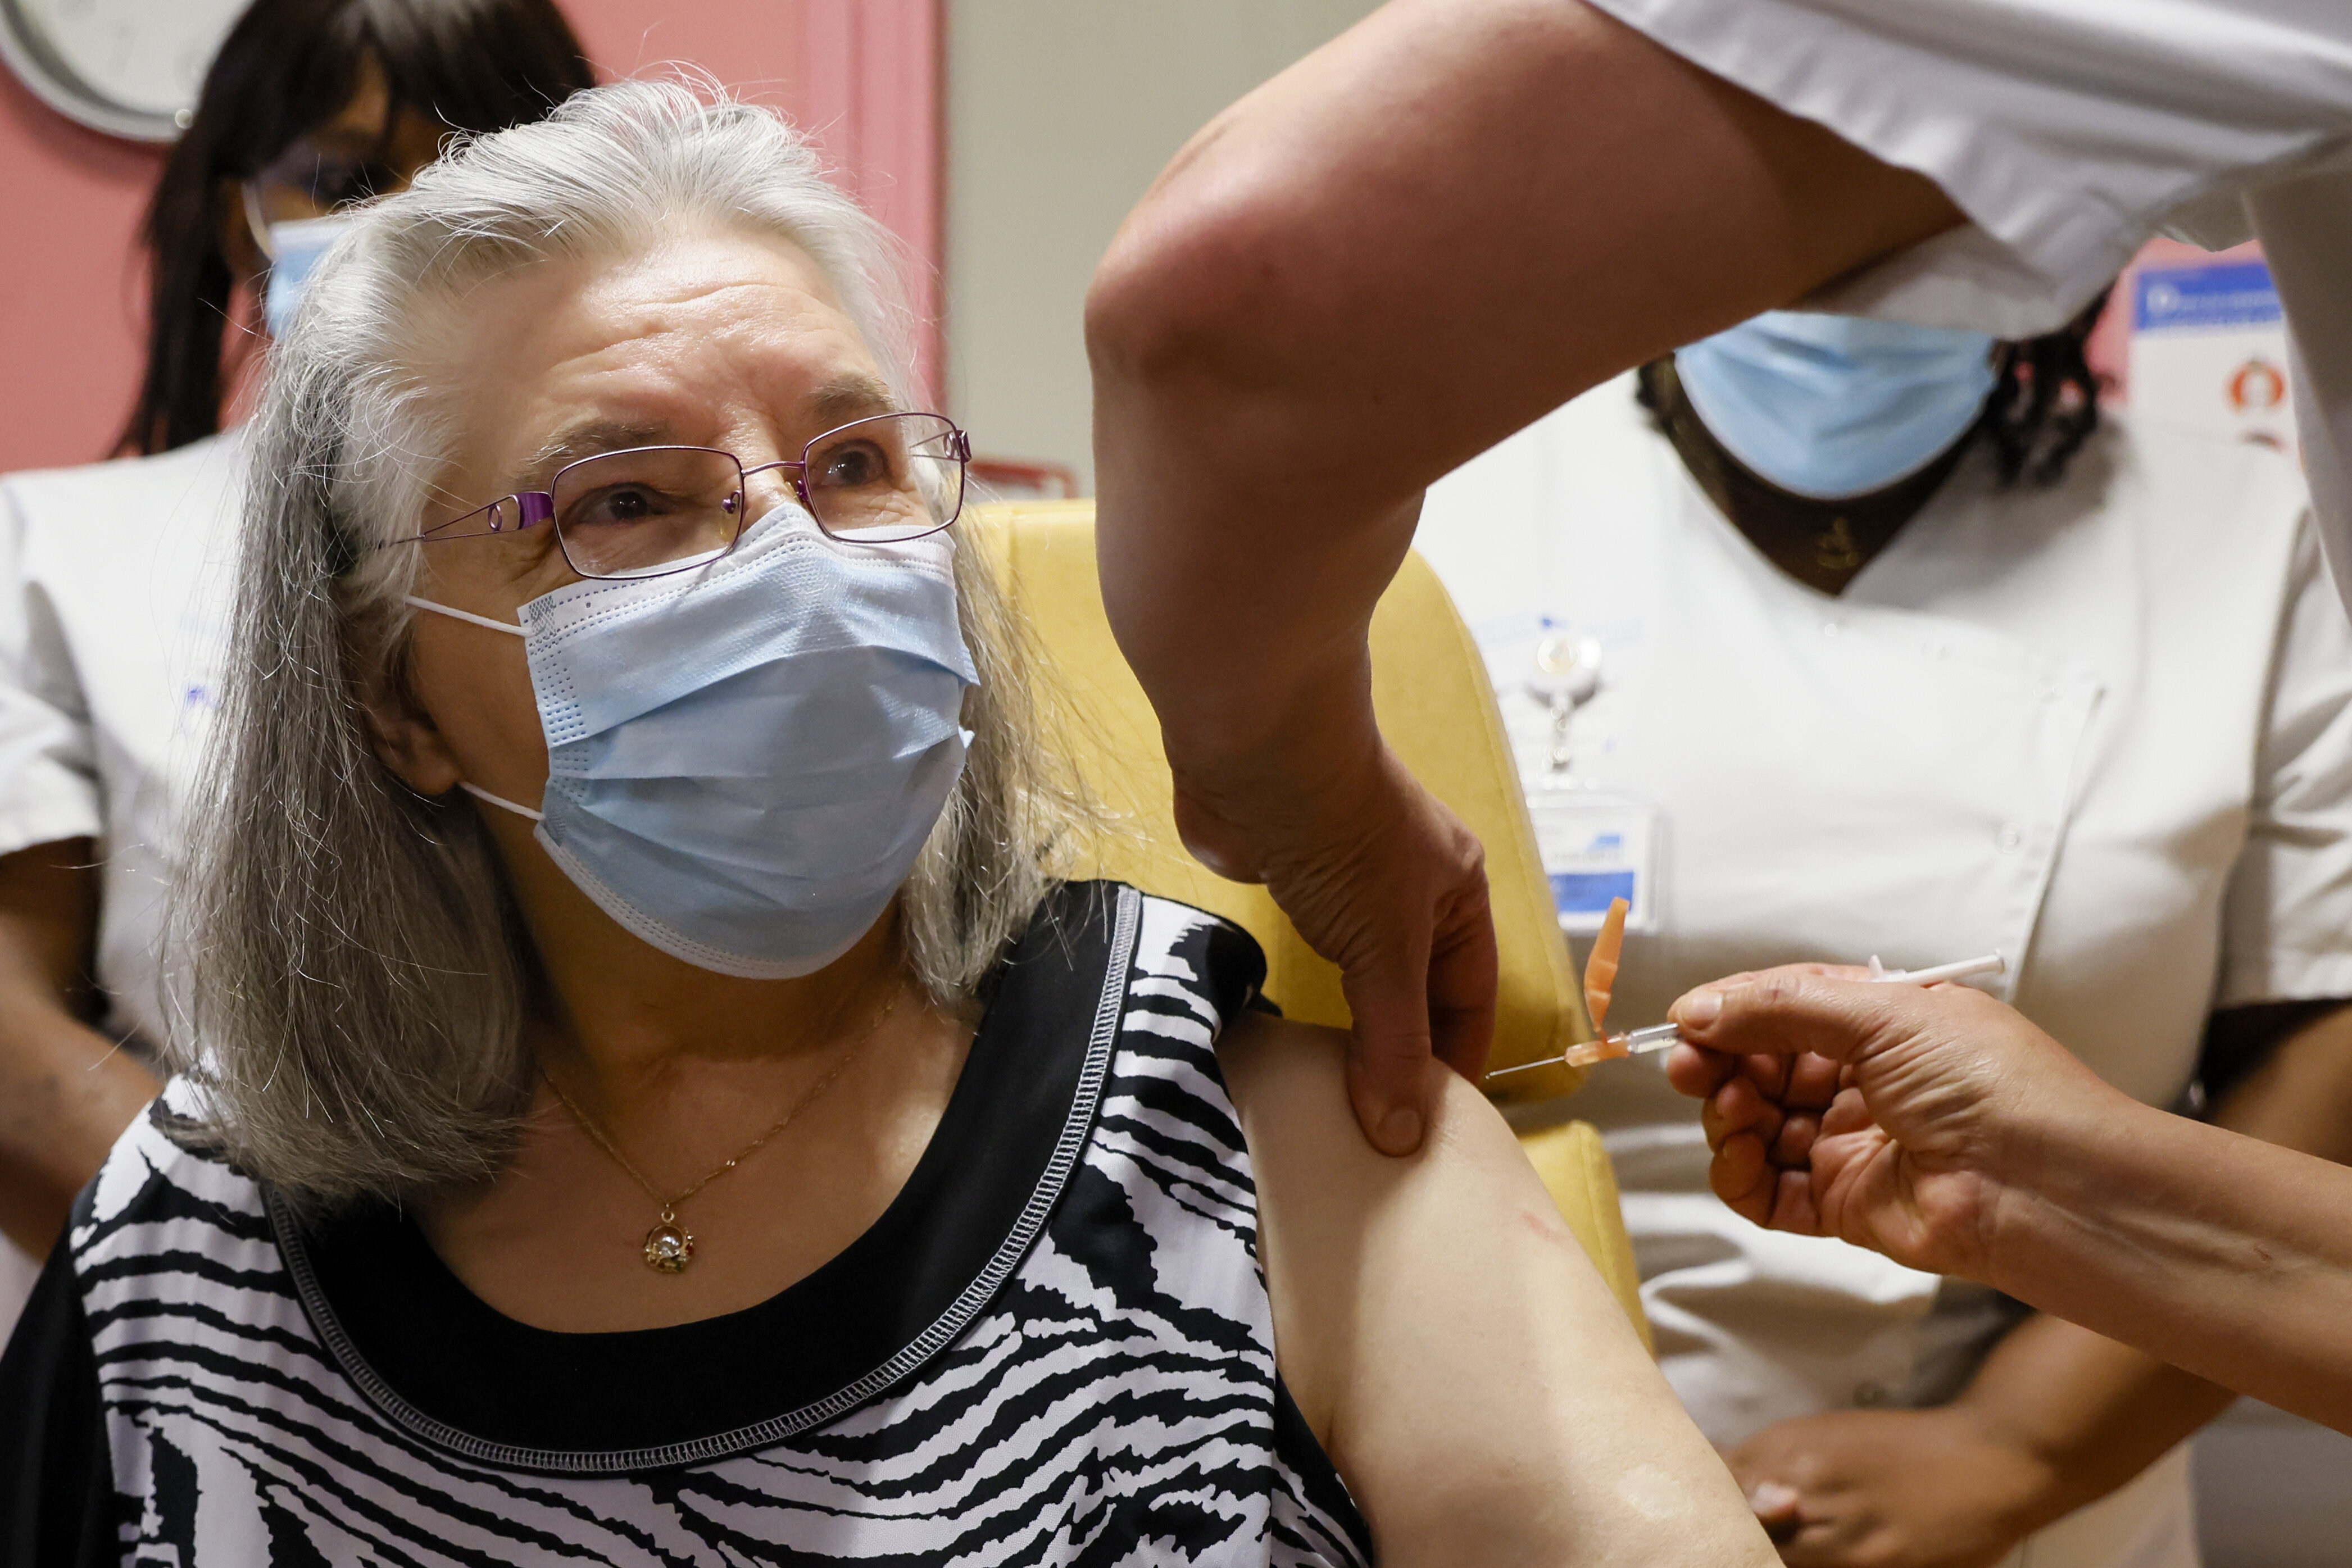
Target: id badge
pixel 1598 847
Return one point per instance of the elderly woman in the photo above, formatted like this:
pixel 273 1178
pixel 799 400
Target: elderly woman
pixel 747 1153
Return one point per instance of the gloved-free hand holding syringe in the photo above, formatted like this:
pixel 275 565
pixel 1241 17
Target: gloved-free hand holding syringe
pixel 1660 1036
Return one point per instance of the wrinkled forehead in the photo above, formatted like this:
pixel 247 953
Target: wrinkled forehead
pixel 701 338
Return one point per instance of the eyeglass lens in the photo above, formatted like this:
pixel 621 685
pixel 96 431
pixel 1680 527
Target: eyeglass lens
pixel 883 480
pixel 659 508
pixel 669 508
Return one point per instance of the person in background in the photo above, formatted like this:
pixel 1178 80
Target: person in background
pixel 1313 315
pixel 1855 637
pixel 110 588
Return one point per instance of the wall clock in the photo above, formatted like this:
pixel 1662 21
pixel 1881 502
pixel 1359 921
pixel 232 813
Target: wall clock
pixel 129 68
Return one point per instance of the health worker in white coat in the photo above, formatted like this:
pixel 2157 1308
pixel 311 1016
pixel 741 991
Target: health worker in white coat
pixel 1313 315
pixel 1998 674
pixel 113 576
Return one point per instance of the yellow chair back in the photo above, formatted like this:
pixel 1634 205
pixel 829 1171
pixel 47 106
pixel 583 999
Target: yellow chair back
pixel 1430 690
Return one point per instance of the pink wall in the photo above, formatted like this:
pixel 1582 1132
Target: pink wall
pixel 70 305
pixel 863 74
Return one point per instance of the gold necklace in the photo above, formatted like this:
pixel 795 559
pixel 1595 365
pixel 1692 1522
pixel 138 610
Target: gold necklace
pixel 669 1245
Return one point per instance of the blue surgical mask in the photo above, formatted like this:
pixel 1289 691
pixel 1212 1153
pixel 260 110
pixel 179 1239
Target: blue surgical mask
pixel 745 758
pixel 295 249
pixel 1832 406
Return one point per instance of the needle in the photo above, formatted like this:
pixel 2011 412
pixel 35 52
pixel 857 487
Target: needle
pixel 1659 1035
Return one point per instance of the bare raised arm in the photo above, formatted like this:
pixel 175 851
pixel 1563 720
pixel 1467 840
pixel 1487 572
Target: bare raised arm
pixel 1473 1379
pixel 1420 238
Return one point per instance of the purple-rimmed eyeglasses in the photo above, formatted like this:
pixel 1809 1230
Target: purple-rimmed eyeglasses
pixel 650 510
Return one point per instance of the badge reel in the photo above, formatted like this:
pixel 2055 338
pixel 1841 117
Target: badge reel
pixel 1597 845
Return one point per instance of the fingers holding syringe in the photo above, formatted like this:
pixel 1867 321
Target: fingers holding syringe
pixel 1741 1126
pixel 1717 1049
pixel 1763 1143
pixel 1742 1177
pixel 1758 1188
pixel 1849 1113
pixel 1698 1073
pixel 1740 1108
pixel 1792 1082
pixel 1793 1010
pixel 1812 1080
pixel 1784 1126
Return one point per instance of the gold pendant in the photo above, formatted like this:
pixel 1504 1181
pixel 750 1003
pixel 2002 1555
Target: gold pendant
pixel 669 1247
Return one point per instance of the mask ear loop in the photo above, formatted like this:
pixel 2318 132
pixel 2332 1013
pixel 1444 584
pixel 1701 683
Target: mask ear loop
pixel 506 626
pixel 478 792
pixel 501 801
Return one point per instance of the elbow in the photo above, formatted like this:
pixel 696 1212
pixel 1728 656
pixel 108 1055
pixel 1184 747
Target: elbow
pixel 1195 302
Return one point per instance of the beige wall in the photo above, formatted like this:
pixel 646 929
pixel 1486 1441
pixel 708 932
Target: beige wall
pixel 1059 114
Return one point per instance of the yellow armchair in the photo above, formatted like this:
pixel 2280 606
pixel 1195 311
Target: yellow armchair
pixel 1429 689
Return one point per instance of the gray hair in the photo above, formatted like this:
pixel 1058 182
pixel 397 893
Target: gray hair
pixel 359 971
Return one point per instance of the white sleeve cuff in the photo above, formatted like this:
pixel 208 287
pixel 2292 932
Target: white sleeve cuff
pixel 2067 130
pixel 61 812
pixel 2283 975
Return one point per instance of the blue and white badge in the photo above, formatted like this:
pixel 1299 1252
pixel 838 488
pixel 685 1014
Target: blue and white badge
pixel 1597 846
pixel 2208 353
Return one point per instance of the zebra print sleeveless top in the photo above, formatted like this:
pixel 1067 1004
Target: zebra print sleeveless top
pixel 1055 1347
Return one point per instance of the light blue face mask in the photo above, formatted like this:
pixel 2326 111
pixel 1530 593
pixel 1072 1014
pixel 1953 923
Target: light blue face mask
pixel 1831 406
pixel 295 249
pixel 745 758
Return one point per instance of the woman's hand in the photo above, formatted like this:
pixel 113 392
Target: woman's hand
pixel 1887 1115
pixel 1894 1488
pixel 1382 879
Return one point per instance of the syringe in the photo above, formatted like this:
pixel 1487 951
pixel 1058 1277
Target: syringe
pixel 1660 1036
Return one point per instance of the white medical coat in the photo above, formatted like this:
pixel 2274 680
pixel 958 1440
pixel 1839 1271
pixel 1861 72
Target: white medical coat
pixel 2105 729
pixel 2068 130
pixel 114 587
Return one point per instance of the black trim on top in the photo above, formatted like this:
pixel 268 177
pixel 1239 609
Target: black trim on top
pixel 58 1507
pixel 451 1370
pixel 1319 1484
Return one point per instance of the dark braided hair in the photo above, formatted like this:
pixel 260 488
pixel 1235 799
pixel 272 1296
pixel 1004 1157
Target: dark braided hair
pixel 2046 404
pixel 286 69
